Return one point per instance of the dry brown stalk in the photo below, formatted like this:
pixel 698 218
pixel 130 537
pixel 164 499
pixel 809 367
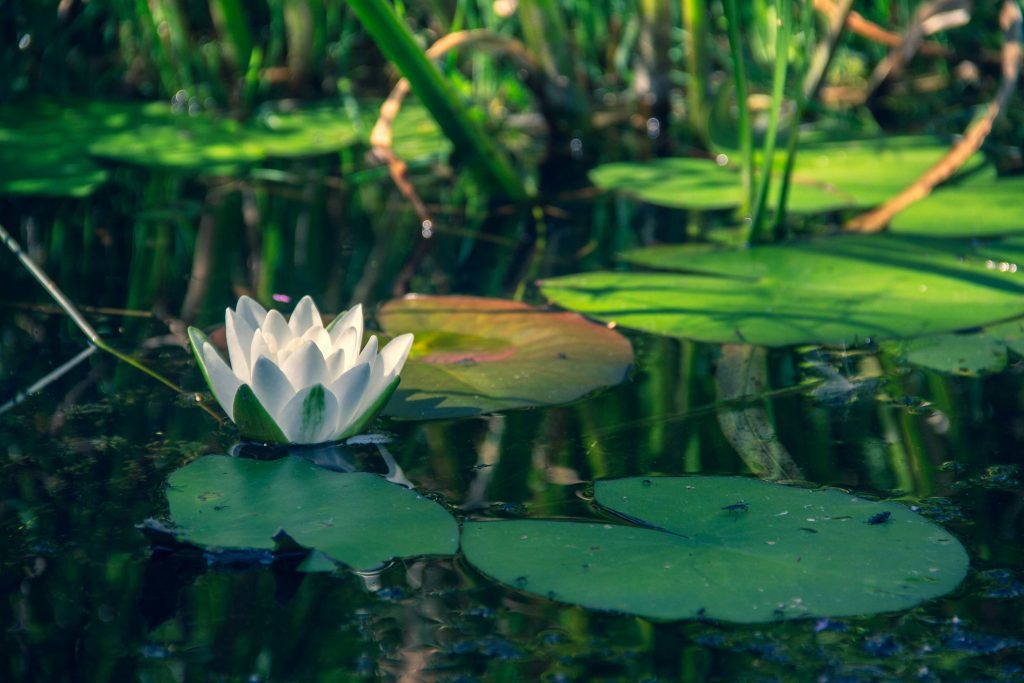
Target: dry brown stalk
pixel 856 23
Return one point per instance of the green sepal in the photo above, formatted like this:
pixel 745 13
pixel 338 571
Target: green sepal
pixel 337 318
pixel 253 420
pixel 366 418
pixel 196 336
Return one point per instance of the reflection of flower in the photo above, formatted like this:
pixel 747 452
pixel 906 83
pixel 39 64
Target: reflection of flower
pixel 297 381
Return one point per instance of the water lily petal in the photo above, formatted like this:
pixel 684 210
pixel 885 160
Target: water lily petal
pixel 349 343
pixel 218 375
pixel 350 319
pixel 275 327
pixel 239 335
pixel 260 348
pixel 395 353
pixel 335 365
pixel 305 366
pixel 368 413
pixel 305 316
pixel 369 351
pixel 348 389
pixel 250 311
pixel 311 416
pixel 271 385
pixel 377 383
pixel 319 336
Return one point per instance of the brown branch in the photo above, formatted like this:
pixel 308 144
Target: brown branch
pixel 856 23
pixel 876 219
pixel 930 17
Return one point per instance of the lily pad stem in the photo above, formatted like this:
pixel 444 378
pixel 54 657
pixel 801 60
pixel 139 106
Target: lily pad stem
pixel 91 334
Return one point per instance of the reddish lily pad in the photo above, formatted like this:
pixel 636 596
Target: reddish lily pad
pixel 475 355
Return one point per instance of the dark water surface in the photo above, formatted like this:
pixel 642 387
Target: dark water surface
pixel 87 597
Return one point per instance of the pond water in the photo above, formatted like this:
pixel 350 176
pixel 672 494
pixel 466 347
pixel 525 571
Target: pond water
pixel 88 596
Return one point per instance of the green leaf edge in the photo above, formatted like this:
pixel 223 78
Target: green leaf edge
pixel 253 420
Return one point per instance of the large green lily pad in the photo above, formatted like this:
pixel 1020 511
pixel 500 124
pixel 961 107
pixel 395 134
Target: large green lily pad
pixel 43 146
pixel 726 548
pixel 839 290
pixel 827 176
pixel 475 355
pixel 358 519
pixel 969 354
pixel 978 204
pixel 52 149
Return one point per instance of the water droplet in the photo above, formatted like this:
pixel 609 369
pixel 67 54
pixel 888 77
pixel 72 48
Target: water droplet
pixel 653 128
pixel 427 229
pixel 576 148
pixel 24 41
pixel 722 159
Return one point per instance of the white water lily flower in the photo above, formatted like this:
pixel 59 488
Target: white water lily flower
pixel 297 381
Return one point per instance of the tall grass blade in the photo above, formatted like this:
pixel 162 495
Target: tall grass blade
pixel 231 21
pixel 739 75
pixel 397 43
pixel 785 28
pixel 695 18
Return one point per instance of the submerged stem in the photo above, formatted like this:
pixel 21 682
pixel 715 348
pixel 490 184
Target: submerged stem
pixel 94 338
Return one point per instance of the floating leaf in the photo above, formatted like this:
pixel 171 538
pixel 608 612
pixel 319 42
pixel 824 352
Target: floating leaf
pixel 969 354
pixel 828 176
pixel 51 149
pixel 678 183
pixel 838 290
pixel 474 355
pixel 994 208
pixel 358 519
pixel 726 548
pixel 302 132
pixel 161 139
pixel 43 147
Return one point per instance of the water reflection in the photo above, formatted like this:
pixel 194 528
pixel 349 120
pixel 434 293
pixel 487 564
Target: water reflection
pixel 86 595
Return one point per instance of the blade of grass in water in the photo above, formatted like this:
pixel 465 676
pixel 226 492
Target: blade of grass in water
pixel 231 21
pixel 395 40
pixel 76 317
pixel 695 13
pixel 785 26
pixel 802 97
pixel 739 75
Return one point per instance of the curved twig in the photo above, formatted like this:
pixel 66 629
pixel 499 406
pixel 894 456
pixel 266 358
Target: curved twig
pixel 381 135
pixel 876 219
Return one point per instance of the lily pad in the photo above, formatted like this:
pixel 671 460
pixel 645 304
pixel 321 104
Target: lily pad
pixel 828 176
pixel 726 548
pixel 43 146
pixel 977 205
pixel 358 519
pixel 52 149
pixel 161 139
pixel 840 290
pixel 970 354
pixel 475 355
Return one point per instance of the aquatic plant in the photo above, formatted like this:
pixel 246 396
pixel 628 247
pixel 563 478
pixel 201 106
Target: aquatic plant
pixel 297 381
